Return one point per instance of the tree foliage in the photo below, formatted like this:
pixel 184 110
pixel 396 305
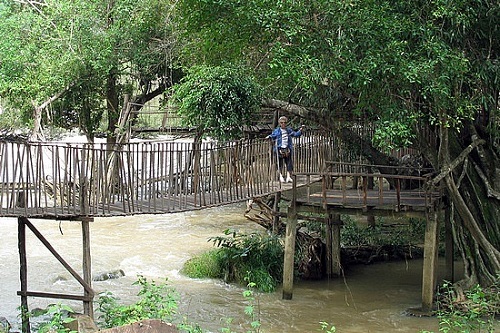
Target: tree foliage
pixel 217 101
pixel 423 74
pixel 393 60
pixel 92 53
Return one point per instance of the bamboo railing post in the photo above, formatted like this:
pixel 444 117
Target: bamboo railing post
pixel 398 194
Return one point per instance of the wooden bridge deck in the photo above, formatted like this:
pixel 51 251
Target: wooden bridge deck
pixel 157 204
pixel 381 199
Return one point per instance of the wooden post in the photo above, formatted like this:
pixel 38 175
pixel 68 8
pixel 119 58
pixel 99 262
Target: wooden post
pixel 450 265
pixel 21 234
pixel 291 232
pixel 276 209
pixel 88 307
pixel 329 244
pixel 336 225
pixel 429 275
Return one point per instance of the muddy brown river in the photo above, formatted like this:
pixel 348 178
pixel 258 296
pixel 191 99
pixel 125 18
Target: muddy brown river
pixel 371 298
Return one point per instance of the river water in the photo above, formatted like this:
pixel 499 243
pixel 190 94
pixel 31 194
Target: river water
pixel 371 298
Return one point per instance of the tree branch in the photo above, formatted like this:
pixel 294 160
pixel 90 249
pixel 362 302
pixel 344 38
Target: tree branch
pixel 492 193
pixel 295 109
pixel 463 155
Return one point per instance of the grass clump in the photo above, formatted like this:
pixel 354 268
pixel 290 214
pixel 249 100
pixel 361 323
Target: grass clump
pixel 241 257
pixel 205 265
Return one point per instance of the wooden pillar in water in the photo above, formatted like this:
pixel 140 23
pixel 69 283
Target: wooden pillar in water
pixel 333 226
pixel 329 246
pixel 291 233
pixel 88 307
pixel 449 249
pixel 336 225
pixel 23 273
pixel 429 276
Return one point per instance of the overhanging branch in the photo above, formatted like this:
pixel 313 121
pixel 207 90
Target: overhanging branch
pixel 457 161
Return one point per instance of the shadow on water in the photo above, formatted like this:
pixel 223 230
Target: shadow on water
pixel 369 298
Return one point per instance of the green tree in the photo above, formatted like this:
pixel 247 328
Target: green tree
pixel 88 60
pixel 217 101
pixel 424 74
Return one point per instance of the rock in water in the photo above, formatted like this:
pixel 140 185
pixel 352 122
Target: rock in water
pixel 109 275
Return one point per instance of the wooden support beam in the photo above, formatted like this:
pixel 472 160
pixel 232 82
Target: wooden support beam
pixel 23 272
pixel 336 225
pixel 291 233
pixel 329 248
pixel 49 247
pixel 276 208
pixel 85 282
pixel 429 276
pixel 54 295
pixel 88 307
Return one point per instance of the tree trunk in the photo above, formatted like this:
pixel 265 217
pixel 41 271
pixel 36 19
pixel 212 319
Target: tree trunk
pixel 475 223
pixel 466 164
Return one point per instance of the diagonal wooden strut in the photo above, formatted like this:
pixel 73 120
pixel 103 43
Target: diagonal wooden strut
pixel 85 282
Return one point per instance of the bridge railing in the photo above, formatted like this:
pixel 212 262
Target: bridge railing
pixel 55 180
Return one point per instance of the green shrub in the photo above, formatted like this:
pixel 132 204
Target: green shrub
pixel 397 233
pixel 476 313
pixel 58 315
pixel 239 257
pixel 157 301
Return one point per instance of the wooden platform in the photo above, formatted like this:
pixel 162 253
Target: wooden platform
pixel 371 202
pixel 385 196
pixel 336 194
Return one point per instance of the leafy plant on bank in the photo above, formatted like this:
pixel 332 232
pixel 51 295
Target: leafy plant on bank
pixel 157 301
pixel 59 315
pixel 325 327
pixel 475 313
pixel 238 256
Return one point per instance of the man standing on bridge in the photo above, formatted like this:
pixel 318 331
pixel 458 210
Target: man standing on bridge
pixel 283 147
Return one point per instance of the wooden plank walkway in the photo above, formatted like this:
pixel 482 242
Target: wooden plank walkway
pixel 71 180
pixel 153 205
pixel 380 198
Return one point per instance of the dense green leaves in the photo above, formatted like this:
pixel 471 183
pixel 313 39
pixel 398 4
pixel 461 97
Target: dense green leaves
pixel 383 59
pixel 93 52
pixel 157 301
pixel 217 101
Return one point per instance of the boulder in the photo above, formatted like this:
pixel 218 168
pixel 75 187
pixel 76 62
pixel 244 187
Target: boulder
pixel 81 324
pixel 109 275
